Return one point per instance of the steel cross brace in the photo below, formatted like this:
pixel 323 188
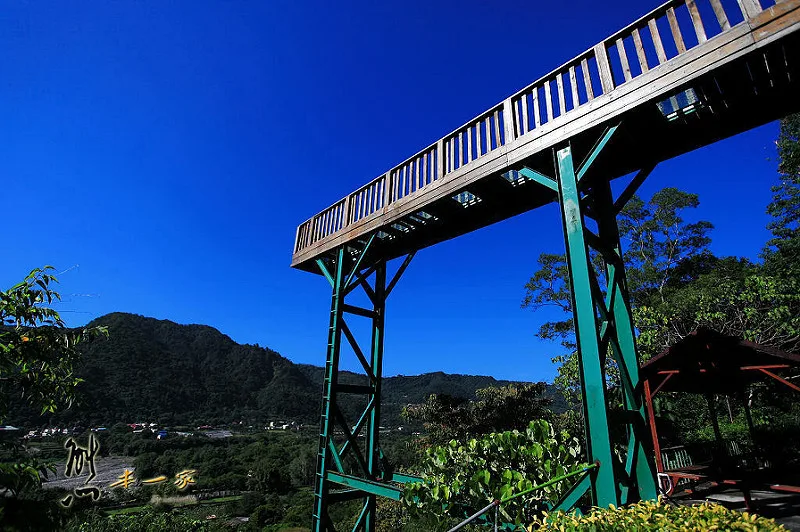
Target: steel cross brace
pixel 347 467
pixel 603 325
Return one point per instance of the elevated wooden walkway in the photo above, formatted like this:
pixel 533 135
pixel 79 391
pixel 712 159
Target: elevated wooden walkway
pixel 687 74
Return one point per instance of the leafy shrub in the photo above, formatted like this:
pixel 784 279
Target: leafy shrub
pixel 657 515
pixel 463 477
pixel 269 513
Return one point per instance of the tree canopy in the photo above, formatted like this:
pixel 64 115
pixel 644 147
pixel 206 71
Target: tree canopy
pixel 38 354
pixel 677 285
pixel 495 409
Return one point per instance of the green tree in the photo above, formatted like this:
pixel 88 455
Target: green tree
pixel 661 250
pixel 760 303
pixel 736 298
pixel 38 354
pixel 495 409
pixel 783 249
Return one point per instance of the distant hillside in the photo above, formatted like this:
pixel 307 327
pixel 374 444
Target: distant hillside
pixel 151 369
pixel 403 390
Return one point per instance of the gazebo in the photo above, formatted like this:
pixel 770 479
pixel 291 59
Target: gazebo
pixel 707 362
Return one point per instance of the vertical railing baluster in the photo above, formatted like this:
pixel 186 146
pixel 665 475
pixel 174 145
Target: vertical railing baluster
pixel 697 21
pixel 525 125
pixel 676 30
pixel 301 238
pixel 548 100
pixel 478 139
pixel 508 121
pixel 750 8
pixel 573 82
pixel 334 220
pixel 314 229
pixel 662 55
pixel 719 12
pixel 587 79
pixel 440 159
pixel 469 144
pixel 346 211
pixel 623 59
pixel 497 127
pixel 637 43
pixel 537 116
pixel 297 236
pixel 387 189
pixel 562 104
pixel 328 223
pixel 450 146
pixel 606 78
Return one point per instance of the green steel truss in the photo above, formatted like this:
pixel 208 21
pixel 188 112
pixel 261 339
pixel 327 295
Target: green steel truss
pixel 603 323
pixel 350 467
pixel 350 464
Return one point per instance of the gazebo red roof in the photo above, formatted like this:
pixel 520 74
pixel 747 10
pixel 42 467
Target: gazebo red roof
pixel 707 361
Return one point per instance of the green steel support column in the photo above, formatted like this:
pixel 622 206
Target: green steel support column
pixel 349 464
pixel 373 428
pixel 320 512
pixel 593 388
pixel 639 464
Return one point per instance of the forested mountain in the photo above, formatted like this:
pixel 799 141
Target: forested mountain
pixel 158 370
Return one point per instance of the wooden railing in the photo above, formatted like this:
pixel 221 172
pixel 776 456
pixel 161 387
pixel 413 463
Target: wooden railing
pixel 653 40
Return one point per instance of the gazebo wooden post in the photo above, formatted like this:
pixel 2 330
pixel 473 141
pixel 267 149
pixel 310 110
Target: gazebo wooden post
pixel 714 421
pixel 648 399
pixel 749 416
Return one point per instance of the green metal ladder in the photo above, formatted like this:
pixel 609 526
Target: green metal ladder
pixel 336 479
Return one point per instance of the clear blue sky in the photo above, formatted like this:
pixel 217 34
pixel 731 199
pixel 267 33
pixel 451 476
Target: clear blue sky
pixel 170 149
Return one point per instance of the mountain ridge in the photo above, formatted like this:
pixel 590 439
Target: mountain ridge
pixel 159 370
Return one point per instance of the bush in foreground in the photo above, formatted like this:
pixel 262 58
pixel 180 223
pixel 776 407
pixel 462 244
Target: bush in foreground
pixel 460 478
pixel 657 515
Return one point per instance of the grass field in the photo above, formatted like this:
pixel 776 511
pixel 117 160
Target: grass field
pixel 207 502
